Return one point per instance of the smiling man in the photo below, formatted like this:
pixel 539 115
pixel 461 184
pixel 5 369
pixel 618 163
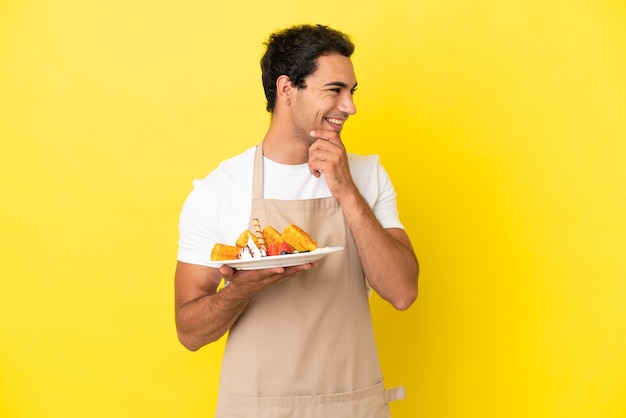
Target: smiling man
pixel 300 339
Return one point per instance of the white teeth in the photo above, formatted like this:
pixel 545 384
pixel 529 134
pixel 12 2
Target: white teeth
pixel 335 121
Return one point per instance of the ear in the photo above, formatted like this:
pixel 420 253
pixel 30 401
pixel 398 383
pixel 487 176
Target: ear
pixel 284 89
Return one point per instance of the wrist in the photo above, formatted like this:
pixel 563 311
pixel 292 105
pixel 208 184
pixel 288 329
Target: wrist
pixel 352 202
pixel 238 293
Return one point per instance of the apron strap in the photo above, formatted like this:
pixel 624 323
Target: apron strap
pixel 395 394
pixel 257 173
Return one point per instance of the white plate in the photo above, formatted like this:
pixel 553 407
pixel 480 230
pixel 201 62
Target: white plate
pixel 279 260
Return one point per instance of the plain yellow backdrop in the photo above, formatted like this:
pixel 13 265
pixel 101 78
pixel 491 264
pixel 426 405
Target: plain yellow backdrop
pixel 502 124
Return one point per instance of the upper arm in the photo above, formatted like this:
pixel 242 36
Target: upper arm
pixel 193 281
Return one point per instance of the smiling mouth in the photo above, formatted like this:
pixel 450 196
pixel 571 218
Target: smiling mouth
pixel 335 121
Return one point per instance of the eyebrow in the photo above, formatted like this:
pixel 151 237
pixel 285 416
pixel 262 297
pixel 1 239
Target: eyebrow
pixel 340 84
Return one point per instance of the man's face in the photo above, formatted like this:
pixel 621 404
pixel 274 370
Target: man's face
pixel 327 100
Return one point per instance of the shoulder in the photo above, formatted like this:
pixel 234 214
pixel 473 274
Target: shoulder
pixel 228 184
pixel 231 178
pixel 366 170
pixel 361 161
pixel 376 187
pixel 232 170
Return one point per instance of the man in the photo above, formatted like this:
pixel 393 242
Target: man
pixel 300 340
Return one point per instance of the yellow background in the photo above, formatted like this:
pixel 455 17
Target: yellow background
pixel 502 124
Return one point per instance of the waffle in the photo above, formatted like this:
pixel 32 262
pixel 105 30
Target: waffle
pixel 298 239
pixel 224 252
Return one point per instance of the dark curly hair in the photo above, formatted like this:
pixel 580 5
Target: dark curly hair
pixel 294 51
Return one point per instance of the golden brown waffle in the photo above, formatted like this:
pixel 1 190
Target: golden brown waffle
pixel 298 239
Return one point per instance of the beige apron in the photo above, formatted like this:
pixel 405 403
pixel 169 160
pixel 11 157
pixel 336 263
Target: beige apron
pixel 305 347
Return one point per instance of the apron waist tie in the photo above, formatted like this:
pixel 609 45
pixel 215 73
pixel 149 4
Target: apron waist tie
pixel 395 394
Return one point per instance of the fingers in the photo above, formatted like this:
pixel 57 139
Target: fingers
pixel 324 152
pixel 264 277
pixel 330 136
pixel 227 272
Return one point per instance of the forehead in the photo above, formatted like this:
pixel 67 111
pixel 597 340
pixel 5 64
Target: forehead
pixel 334 68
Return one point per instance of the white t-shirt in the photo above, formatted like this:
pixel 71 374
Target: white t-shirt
pixel 218 207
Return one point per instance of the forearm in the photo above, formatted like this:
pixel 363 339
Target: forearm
pixel 204 314
pixel 206 319
pixel 387 256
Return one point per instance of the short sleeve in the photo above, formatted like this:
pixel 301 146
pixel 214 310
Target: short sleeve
pixel 376 187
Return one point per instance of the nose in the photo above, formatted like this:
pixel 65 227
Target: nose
pixel 346 105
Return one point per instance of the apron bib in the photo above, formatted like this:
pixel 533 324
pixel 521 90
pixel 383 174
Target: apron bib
pixel 305 347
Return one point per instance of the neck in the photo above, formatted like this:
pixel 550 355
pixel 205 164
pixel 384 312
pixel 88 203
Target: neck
pixel 284 147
